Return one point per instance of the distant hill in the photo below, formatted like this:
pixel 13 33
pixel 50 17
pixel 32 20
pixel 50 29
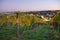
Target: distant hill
pixel 46 12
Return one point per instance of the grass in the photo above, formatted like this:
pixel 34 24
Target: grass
pixel 40 34
pixel 43 32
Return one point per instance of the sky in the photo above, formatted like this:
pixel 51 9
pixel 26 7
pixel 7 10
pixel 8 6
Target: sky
pixel 28 5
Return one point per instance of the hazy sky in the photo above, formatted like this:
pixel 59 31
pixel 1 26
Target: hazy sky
pixel 28 5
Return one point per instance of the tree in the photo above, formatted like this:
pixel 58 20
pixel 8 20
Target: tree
pixel 17 25
pixel 56 20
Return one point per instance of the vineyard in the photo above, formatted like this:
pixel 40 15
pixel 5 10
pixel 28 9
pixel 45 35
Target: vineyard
pixel 23 26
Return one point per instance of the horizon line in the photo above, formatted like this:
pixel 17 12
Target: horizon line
pixel 31 10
